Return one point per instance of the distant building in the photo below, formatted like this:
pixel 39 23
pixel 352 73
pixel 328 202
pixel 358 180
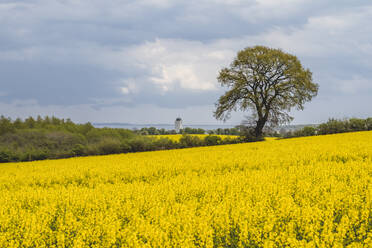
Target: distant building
pixel 178 125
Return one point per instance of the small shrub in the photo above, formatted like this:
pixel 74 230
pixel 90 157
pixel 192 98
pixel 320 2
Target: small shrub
pixel 164 143
pixel 78 150
pixel 357 124
pixel 369 123
pixel 190 141
pixel 141 144
pixel 212 140
pixel 109 146
pixel 5 155
pixel 247 134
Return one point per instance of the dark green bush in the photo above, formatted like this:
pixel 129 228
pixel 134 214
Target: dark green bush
pixel 5 155
pixel 190 141
pixel 141 144
pixel 333 126
pixel 212 140
pixel 306 131
pixel 247 134
pixel 164 144
pixel 369 123
pixel 229 140
pixel 357 124
pixel 78 150
pixel 39 154
pixel 109 145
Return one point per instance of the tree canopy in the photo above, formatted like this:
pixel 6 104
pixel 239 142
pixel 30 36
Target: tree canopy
pixel 267 82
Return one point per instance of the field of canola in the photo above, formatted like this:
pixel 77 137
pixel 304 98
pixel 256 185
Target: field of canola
pixel 303 192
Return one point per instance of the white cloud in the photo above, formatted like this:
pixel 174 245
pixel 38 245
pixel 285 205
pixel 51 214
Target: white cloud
pixel 188 64
pixel 125 90
pixel 322 36
pixel 130 86
pixel 184 74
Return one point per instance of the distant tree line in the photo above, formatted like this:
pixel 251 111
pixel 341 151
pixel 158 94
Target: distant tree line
pixel 188 130
pixel 50 137
pixel 333 126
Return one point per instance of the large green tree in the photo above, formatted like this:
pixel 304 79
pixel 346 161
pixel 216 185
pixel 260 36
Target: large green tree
pixel 267 82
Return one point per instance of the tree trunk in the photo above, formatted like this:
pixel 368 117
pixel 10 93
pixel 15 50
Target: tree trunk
pixel 259 127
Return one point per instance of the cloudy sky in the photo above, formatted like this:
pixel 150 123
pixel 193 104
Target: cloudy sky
pixel 149 61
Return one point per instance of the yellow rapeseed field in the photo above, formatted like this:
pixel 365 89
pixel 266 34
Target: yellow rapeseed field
pixel 303 192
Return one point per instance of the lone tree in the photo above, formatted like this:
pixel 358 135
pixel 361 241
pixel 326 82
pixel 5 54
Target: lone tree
pixel 269 83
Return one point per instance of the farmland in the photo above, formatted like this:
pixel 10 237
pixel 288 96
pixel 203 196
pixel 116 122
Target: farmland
pixel 301 192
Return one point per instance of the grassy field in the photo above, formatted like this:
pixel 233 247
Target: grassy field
pixel 301 192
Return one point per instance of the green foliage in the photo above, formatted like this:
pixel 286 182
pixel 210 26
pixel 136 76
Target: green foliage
pixel 189 130
pixel 268 82
pixel 357 124
pixel 5 155
pixel 50 137
pixel 78 150
pixel 225 131
pixel 152 131
pixel 333 126
pixel 162 131
pixel 247 134
pixel 109 145
pixel 190 141
pixel 369 123
pixel 212 140
pixel 5 125
pixel 306 131
pixel 141 144
pixel 164 144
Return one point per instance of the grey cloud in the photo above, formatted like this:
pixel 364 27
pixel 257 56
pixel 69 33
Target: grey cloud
pixel 113 22
pixel 71 53
pixel 51 84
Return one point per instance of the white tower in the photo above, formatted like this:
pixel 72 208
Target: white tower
pixel 178 125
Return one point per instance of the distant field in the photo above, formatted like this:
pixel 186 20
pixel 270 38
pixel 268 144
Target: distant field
pixel 300 192
pixel 177 137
